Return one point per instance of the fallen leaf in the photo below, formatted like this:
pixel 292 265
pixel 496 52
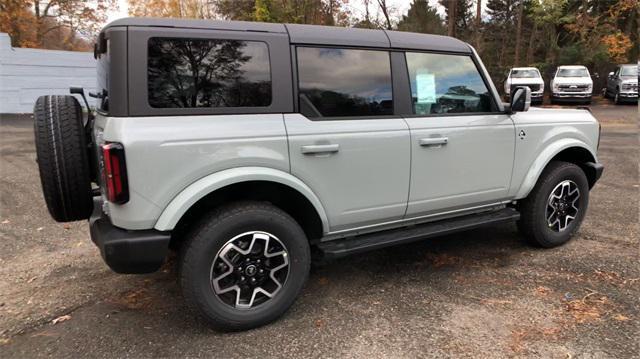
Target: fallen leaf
pixel 4 341
pixel 323 281
pixel 66 226
pixel 320 323
pixel 543 291
pixel 60 319
pixel 620 317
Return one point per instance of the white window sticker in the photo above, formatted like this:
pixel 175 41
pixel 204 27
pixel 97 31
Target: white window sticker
pixel 425 86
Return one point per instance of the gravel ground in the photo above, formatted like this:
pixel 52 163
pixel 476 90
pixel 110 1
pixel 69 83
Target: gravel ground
pixel 481 293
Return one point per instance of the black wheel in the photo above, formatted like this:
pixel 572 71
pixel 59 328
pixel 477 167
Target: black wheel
pixel 62 156
pixel 244 265
pixel 556 206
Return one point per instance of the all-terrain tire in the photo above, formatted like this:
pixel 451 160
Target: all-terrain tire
pixel 533 223
pixel 62 156
pixel 203 245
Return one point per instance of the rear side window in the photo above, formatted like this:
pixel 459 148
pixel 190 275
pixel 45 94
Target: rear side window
pixel 102 68
pixel 336 82
pixel 191 73
pixel 443 84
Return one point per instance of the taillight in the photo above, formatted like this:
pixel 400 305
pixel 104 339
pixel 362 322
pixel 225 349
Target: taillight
pixel 114 176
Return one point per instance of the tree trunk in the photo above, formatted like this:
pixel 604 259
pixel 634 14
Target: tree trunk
pixel 452 18
pixel 531 47
pixel 516 60
pixel 478 23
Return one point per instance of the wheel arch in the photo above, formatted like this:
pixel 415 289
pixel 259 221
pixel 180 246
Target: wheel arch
pixel 568 150
pixel 247 183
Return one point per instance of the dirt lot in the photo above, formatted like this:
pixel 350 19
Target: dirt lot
pixel 475 294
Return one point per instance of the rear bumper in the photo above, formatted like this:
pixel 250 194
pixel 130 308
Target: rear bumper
pixel 125 251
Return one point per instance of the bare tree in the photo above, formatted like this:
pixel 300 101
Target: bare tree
pixel 385 11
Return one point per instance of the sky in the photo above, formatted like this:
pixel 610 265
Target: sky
pixel 399 8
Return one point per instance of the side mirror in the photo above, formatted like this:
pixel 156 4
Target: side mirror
pixel 611 74
pixel 521 99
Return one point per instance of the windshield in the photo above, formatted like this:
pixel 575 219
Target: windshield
pixel 525 73
pixel 573 73
pixel 629 71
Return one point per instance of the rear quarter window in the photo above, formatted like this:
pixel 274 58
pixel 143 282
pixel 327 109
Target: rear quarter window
pixel 209 73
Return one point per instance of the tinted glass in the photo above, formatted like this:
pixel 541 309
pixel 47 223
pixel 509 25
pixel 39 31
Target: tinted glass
pixel 344 82
pixel 102 68
pixel 208 73
pixel 446 84
pixel 573 73
pixel 525 73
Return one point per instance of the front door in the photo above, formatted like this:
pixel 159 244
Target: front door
pixel 346 144
pixel 461 148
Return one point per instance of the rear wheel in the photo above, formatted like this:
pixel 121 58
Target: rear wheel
pixel 244 265
pixel 62 156
pixel 556 206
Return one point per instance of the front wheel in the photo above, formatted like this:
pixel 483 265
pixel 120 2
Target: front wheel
pixel 244 266
pixel 556 206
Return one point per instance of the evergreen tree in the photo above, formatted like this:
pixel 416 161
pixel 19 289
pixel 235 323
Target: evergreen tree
pixel 421 17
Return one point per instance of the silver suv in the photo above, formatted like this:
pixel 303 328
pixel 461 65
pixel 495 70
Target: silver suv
pixel 622 85
pixel 251 148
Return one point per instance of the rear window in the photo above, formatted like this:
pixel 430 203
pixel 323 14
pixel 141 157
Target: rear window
pixel 337 82
pixel 192 73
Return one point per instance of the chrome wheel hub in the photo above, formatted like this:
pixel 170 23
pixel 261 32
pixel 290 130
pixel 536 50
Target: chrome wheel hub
pixel 249 269
pixel 563 205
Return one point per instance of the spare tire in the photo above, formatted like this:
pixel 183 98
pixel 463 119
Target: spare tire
pixel 61 148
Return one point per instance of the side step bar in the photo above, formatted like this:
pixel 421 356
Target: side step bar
pixel 366 242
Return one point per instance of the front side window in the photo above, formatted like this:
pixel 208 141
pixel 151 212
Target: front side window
pixel 446 84
pixel 191 73
pixel 344 82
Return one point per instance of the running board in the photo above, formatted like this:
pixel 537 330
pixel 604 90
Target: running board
pixel 366 242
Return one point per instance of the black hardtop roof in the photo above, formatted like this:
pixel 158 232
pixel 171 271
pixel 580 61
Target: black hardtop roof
pixel 314 34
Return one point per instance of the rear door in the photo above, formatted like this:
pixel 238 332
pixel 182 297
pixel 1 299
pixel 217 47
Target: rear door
pixel 462 148
pixel 345 142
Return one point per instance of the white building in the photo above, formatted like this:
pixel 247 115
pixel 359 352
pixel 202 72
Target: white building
pixel 26 74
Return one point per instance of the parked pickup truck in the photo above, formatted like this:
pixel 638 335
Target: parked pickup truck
pixel 622 85
pixel 572 83
pixel 525 76
pixel 251 148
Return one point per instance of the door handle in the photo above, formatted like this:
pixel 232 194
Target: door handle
pixel 432 141
pixel 314 149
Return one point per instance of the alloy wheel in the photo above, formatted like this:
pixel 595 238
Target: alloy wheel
pixel 563 205
pixel 249 269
